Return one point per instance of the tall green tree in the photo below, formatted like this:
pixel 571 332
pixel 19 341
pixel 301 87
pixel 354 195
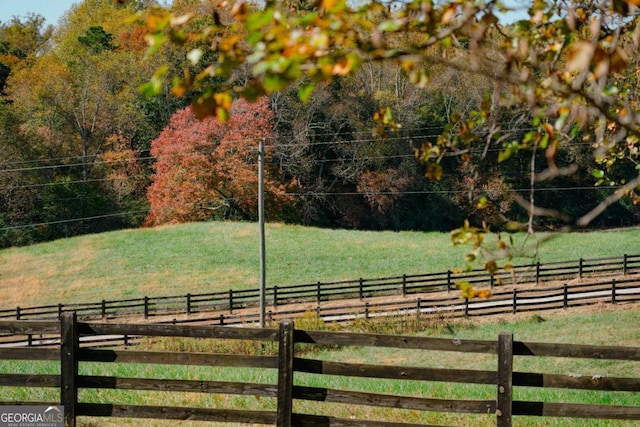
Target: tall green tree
pixel 21 40
pixel 79 102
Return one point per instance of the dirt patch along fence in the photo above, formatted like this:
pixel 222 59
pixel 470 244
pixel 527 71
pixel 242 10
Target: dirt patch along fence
pixel 306 389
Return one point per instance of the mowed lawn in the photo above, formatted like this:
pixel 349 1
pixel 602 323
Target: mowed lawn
pixel 217 256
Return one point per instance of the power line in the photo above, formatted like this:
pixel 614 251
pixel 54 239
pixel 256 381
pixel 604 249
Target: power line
pixel 71 165
pixel 279 145
pixel 299 194
pixel 65 221
pixel 62 159
pixel 442 192
pixel 53 184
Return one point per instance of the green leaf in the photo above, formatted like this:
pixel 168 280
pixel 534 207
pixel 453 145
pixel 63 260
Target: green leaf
pixel 154 86
pixel 509 149
pixel 598 173
pixel 222 114
pixel 148 89
pixel 308 18
pixel 482 203
pixel 257 20
pixel 544 141
pixel 391 25
pixel 178 36
pixel 305 91
pixel 513 227
pixel 574 131
pixel 529 136
pixel 155 43
pixel 275 82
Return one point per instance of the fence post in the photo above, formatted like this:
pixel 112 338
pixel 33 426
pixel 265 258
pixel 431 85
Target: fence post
pixel 515 300
pixel 419 308
pixel 466 307
pixel 188 304
pixel 69 344
pixel 537 272
pixel 505 379
pixel 146 307
pixel 624 265
pixel 361 288
pixel 275 296
pixel 492 281
pixel 285 374
pixel 366 310
pixel 103 310
pixel 448 281
pixel 404 285
pixel 319 292
pixel 17 313
pixel 613 291
pixel 230 301
pixel 580 262
pixel 566 296
pixel 59 310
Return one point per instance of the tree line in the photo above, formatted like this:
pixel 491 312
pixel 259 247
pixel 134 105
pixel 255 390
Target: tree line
pixel 97 134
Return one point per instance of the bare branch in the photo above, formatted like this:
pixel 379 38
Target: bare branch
pixel 539 211
pixel 554 172
pixel 586 219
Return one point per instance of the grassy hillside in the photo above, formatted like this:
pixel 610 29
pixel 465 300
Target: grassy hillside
pixel 206 257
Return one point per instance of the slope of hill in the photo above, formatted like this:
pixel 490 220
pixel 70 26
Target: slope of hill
pixel 213 256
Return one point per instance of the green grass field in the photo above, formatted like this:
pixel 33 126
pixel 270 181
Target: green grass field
pixel 215 256
pixel 206 257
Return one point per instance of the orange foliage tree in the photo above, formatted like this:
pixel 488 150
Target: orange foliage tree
pixel 206 169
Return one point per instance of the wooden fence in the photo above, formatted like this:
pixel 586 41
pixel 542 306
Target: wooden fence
pixel 295 392
pixel 231 301
pixel 612 291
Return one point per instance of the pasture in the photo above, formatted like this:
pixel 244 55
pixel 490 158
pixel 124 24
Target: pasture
pixel 218 256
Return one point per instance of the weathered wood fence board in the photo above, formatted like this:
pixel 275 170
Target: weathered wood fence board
pixel 576 410
pixel 324 421
pixel 190 386
pixel 285 393
pixel 403 373
pixel 177 413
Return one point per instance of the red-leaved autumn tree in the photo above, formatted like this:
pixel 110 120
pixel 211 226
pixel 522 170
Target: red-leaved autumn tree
pixel 206 169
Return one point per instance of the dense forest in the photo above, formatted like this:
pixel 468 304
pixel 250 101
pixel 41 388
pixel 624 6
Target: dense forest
pixel 83 148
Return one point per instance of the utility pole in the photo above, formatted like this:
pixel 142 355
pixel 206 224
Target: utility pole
pixel 263 279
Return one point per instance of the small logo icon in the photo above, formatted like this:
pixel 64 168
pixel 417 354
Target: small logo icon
pixel 31 416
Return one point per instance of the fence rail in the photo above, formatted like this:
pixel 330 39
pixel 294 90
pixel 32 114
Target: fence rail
pixel 288 406
pixel 613 291
pixel 405 285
